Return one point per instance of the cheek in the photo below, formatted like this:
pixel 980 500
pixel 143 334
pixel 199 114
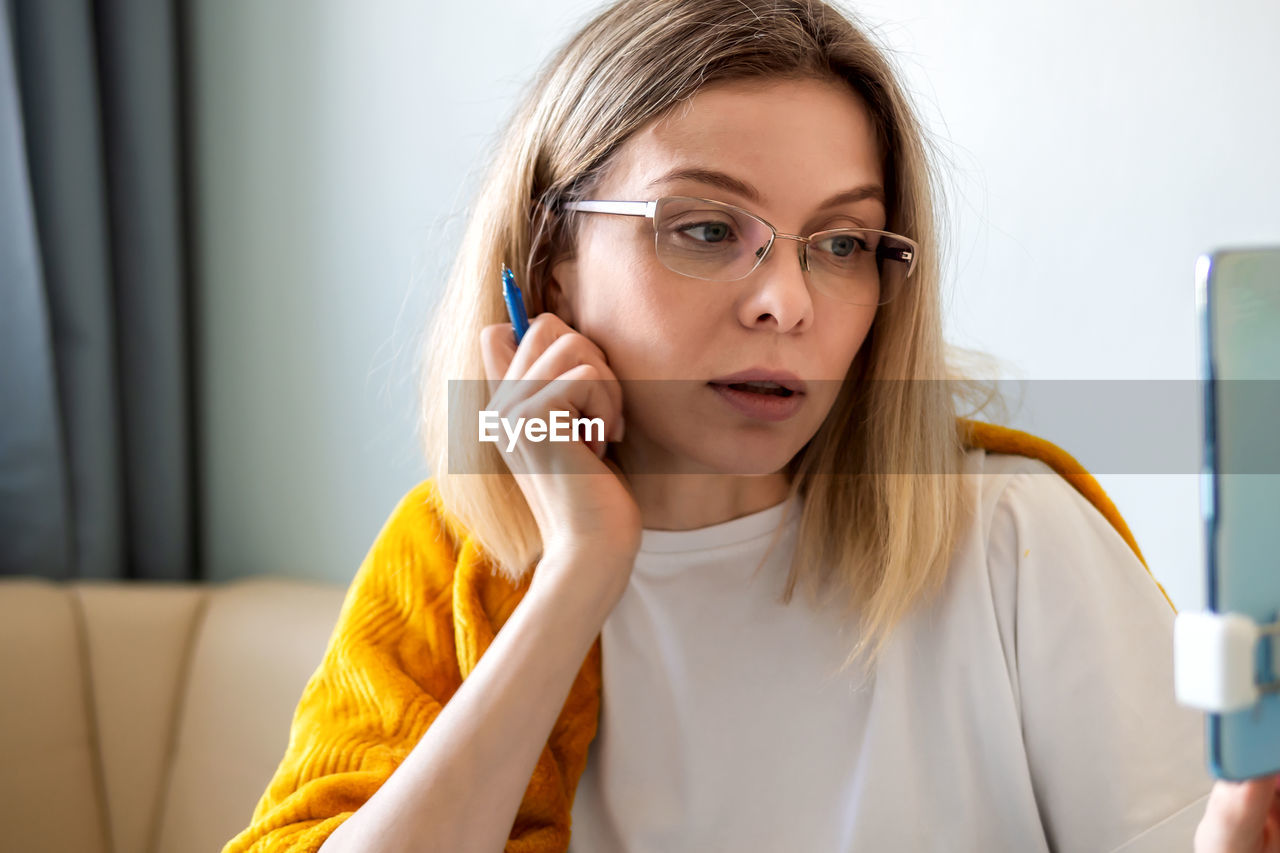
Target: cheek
pixel 644 318
pixel 610 297
pixel 847 335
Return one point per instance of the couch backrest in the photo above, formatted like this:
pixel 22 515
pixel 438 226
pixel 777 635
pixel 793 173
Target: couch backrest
pixel 144 717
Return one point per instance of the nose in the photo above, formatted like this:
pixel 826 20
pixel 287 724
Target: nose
pixel 782 292
pixel 802 250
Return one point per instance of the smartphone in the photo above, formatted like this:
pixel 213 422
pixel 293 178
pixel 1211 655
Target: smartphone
pixel 1238 302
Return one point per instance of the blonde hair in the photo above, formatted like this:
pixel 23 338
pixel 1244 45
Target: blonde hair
pixel 883 507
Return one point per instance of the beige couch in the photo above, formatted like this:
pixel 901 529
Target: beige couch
pixel 141 717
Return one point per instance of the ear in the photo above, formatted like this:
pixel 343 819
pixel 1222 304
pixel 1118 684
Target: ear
pixel 562 289
pixel 560 286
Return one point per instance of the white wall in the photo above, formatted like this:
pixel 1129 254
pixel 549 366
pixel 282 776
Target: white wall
pixel 1101 146
pixel 1097 147
pixel 334 141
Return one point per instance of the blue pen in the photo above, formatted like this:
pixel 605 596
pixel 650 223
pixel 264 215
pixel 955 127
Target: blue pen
pixel 515 304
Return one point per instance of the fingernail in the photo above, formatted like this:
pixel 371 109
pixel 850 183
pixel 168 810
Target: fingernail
pixel 619 430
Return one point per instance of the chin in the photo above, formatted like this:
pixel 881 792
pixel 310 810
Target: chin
pixel 750 458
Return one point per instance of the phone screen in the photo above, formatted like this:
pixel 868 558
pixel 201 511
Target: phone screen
pixel 1239 298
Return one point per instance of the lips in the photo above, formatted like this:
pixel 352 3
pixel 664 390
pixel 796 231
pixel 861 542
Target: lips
pixel 763 380
pixel 761 406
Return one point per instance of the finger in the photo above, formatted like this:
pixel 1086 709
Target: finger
pixel 566 353
pixel 580 391
pixel 549 334
pixel 542 332
pixel 1271 831
pixel 1237 812
pixel 545 332
pixel 497 349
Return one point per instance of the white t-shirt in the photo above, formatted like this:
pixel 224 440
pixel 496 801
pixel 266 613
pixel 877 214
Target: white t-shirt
pixel 1031 708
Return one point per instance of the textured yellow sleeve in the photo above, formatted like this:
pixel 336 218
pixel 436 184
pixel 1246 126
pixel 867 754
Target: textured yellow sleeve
pixel 389 667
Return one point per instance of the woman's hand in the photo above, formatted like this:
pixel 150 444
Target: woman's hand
pixel 1241 817
pixel 580 501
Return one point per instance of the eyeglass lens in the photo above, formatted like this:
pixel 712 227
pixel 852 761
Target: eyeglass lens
pixel 717 242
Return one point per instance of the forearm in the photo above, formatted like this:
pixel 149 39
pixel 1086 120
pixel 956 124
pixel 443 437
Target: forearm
pixel 459 789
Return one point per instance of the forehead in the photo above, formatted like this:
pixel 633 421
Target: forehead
pixel 793 140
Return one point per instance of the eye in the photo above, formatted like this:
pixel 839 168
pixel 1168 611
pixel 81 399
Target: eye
pixel 713 231
pixel 844 245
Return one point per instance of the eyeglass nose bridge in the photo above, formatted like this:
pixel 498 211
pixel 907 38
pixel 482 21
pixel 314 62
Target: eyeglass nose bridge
pixel 803 250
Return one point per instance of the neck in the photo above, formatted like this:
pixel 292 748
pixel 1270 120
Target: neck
pixel 677 493
pixel 690 501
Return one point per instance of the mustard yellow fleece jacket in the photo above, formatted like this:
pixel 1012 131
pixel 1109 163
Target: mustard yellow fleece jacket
pixel 420 612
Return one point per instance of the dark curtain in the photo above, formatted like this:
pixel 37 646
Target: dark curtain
pixel 96 405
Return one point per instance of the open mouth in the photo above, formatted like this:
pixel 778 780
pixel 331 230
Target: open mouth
pixel 764 388
pixel 761 400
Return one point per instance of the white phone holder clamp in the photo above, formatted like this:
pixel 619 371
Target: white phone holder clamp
pixel 1215 660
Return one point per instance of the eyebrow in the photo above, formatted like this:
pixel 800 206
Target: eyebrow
pixel 735 185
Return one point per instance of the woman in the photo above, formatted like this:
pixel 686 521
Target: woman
pixel 722 215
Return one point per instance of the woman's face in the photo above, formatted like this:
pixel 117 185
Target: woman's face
pixel 797 143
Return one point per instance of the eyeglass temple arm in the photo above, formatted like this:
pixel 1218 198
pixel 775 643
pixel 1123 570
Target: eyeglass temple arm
pixel 626 208
pixel 904 255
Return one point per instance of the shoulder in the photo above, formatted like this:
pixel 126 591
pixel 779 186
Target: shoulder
pixel 1026 490
pixel 1086 632
pixel 1018 494
pixel 1024 495
pixel 1010 456
pixel 417 549
pixel 995 471
pixel 419 517
pixel 1032 538
pixel 1060 563
pixel 1054 563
